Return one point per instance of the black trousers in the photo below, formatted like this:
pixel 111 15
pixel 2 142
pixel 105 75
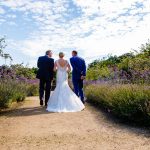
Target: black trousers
pixel 45 87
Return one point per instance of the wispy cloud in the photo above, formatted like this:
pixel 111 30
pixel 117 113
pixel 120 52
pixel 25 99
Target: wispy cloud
pixel 2 11
pixel 94 27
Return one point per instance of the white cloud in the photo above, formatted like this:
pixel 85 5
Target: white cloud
pixel 11 16
pixel 1 21
pixel 100 28
pixel 2 11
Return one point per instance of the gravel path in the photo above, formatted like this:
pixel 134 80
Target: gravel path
pixel 31 127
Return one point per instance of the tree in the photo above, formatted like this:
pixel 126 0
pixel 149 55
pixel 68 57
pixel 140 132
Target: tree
pixel 145 49
pixel 2 47
pixel 7 56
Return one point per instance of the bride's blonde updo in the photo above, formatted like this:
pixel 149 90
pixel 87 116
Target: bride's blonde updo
pixel 61 55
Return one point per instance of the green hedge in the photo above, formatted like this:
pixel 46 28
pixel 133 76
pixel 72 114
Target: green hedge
pixel 130 102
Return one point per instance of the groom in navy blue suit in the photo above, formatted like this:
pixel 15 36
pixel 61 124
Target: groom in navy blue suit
pixel 78 74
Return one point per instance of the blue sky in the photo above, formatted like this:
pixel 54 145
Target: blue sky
pixel 95 28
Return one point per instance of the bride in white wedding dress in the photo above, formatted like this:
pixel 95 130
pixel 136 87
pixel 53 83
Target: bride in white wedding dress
pixel 63 99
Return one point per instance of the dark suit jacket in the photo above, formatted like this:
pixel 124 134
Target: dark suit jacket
pixel 79 67
pixel 46 66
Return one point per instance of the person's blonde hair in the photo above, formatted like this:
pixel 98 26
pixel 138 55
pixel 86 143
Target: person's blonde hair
pixel 61 54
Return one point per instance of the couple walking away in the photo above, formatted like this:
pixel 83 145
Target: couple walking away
pixel 63 99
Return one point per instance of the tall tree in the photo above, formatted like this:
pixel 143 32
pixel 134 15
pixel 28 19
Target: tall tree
pixel 2 46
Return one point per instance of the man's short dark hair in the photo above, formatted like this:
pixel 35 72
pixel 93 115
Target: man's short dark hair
pixel 75 52
pixel 47 52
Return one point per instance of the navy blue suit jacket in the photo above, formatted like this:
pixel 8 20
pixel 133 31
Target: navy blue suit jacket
pixel 46 66
pixel 79 67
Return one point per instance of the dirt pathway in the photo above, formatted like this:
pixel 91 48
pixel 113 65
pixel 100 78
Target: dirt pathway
pixel 31 127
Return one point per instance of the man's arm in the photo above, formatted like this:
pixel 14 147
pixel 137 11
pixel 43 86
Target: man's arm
pixel 38 63
pixel 52 66
pixel 75 67
pixel 84 68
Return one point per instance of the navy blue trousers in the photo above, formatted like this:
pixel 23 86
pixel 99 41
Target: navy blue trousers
pixel 78 88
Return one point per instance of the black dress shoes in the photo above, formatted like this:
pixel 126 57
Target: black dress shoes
pixel 83 101
pixel 45 104
pixel 41 102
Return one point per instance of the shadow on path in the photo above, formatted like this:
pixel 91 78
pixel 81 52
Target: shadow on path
pixel 102 116
pixel 27 111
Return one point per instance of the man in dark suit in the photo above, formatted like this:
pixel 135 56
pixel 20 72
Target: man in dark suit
pixel 78 74
pixel 45 74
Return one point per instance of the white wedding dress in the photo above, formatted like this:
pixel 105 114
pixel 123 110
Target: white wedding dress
pixel 63 99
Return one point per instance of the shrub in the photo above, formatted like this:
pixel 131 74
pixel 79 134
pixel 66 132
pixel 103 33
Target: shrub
pixel 6 95
pixel 127 68
pixel 13 90
pixel 130 102
pixel 32 90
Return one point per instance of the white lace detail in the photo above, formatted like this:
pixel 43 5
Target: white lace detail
pixel 62 75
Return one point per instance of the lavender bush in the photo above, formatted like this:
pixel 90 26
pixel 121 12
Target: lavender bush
pixel 15 87
pixel 127 101
pixel 11 90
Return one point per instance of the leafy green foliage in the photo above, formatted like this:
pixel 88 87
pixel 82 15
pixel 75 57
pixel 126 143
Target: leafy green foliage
pixel 24 71
pixel 134 68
